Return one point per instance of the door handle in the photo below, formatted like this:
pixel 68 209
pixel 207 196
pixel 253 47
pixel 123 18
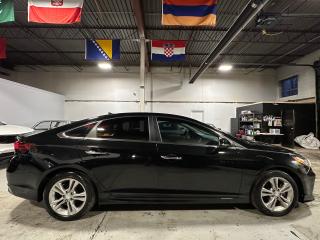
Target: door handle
pixel 92 152
pixel 171 157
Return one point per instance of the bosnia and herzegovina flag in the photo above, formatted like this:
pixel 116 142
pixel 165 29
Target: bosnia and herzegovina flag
pixel 189 12
pixel 102 49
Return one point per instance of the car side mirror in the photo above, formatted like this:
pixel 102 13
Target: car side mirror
pixel 224 143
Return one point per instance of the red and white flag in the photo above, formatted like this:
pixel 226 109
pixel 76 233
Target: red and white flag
pixel 55 11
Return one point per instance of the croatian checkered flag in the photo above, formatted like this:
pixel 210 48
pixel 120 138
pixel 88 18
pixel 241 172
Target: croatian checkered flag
pixel 168 51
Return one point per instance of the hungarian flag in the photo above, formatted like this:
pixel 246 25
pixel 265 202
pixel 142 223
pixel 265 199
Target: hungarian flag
pixel 6 11
pixel 189 12
pixel 3 48
pixel 55 11
pixel 168 51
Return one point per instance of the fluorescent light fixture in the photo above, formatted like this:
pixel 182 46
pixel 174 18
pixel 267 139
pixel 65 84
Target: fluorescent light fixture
pixel 225 67
pixel 105 66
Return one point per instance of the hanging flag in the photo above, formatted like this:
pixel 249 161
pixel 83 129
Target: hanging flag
pixel 6 11
pixel 189 12
pixel 3 48
pixel 55 11
pixel 102 49
pixel 168 51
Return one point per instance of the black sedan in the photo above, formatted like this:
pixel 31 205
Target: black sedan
pixel 153 158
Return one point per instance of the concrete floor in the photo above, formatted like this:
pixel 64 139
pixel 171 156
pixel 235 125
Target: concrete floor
pixel 21 219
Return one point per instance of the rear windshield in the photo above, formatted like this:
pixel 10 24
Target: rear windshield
pixel 7 139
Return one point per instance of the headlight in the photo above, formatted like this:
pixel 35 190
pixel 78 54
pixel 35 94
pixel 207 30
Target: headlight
pixel 302 161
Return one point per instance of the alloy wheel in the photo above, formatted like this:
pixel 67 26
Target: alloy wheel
pixel 277 194
pixel 67 197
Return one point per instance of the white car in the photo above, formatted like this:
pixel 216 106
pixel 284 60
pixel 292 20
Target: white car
pixel 8 134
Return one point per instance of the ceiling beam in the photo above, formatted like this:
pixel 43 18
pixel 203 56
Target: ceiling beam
pixel 138 15
pixel 299 47
pixel 245 17
pixel 48 44
pixel 137 53
pixel 193 40
pixel 157 28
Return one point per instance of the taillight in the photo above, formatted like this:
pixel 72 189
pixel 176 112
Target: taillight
pixel 22 147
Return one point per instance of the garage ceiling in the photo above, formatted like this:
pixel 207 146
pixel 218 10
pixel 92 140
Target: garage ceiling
pixel 293 32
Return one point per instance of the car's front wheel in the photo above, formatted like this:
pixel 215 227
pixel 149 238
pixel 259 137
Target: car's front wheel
pixel 68 196
pixel 275 193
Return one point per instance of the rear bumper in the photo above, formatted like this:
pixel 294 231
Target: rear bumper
pixel 308 185
pixel 23 192
pixel 23 178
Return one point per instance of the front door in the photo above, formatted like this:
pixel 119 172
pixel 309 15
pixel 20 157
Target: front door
pixel 190 161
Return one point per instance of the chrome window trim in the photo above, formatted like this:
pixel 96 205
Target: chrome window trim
pixel 63 134
pixel 233 143
pixel 191 144
pixel 122 117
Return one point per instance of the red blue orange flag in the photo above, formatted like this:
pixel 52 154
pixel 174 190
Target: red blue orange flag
pixel 189 12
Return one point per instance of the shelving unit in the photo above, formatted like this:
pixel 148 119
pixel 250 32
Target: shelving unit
pixel 251 123
pixel 259 126
pixel 288 121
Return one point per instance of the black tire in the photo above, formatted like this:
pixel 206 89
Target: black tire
pixel 256 193
pixel 90 195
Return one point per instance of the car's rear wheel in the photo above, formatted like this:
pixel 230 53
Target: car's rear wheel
pixel 68 196
pixel 275 193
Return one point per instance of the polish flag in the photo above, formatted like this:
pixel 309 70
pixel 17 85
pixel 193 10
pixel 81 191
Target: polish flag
pixel 55 11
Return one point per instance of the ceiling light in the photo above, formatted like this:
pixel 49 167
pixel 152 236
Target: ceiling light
pixel 105 66
pixel 225 67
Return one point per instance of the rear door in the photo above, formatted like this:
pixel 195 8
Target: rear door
pixel 119 153
pixel 190 162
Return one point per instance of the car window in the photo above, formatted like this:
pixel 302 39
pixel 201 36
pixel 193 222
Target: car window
pixel 43 126
pixel 132 128
pixel 184 132
pixel 82 131
pixel 2 123
pixel 60 124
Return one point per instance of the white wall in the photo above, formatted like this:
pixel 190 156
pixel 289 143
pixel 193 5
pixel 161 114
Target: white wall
pixel 216 94
pixel 25 105
pixel 306 82
pixel 92 92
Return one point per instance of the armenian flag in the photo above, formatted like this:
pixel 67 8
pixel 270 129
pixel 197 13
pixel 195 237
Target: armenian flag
pixel 102 49
pixel 168 51
pixel 189 12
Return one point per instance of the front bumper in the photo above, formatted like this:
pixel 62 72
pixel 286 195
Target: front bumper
pixel 308 185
